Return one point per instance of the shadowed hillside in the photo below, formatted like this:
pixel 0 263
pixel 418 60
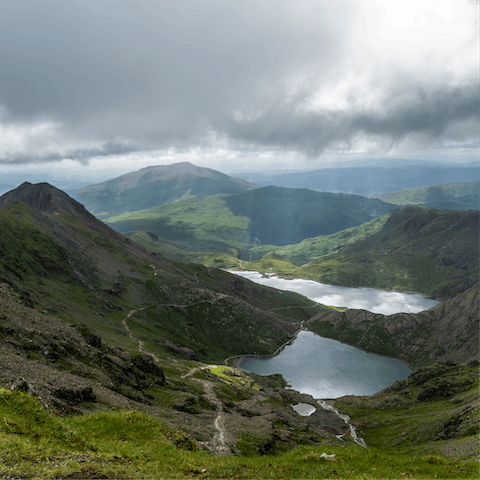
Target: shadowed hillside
pixel 281 216
pixel 268 215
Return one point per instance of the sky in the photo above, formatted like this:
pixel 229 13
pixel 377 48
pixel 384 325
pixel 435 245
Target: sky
pixel 98 88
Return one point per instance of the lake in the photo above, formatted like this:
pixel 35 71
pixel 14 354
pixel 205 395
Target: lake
pixel 376 301
pixel 326 368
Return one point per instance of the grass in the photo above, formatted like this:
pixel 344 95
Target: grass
pixel 232 376
pixel 131 444
pixel 312 248
pixel 403 420
pixel 201 219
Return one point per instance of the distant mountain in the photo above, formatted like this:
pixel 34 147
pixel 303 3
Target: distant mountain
pixel 368 180
pixel 449 196
pixel 158 185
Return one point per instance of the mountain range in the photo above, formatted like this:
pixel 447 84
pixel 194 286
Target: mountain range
pixel 369 180
pixel 94 322
pixel 267 215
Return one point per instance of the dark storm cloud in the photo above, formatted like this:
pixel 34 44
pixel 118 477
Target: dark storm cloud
pixel 82 154
pixel 116 76
pixel 420 110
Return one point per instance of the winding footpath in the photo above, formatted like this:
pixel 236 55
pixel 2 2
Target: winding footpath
pixel 217 445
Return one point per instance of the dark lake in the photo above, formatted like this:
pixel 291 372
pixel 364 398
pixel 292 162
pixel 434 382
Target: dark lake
pixel 326 368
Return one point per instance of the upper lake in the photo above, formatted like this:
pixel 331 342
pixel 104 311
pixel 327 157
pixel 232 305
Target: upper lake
pixel 376 301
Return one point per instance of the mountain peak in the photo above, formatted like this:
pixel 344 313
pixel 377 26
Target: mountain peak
pixel 44 197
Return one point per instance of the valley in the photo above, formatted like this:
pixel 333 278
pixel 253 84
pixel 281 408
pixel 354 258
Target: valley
pixel 125 341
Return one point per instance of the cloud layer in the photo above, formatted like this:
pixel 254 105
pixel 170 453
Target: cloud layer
pixel 103 77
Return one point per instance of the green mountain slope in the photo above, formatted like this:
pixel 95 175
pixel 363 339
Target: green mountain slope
pixel 283 216
pixel 434 252
pixel 270 215
pixel 158 185
pixel 68 261
pixel 415 249
pixel 450 196
pixel 313 248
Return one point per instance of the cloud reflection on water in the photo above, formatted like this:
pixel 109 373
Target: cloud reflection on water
pixel 376 301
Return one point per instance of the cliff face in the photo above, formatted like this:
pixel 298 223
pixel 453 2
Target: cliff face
pixel 448 331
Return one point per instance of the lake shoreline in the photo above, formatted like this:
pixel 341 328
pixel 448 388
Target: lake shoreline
pixel 236 359
pixel 371 299
pixel 288 277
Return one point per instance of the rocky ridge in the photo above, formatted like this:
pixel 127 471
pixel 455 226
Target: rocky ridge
pixel 448 331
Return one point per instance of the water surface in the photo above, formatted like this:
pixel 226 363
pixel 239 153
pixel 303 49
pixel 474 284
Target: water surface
pixel 326 368
pixel 376 301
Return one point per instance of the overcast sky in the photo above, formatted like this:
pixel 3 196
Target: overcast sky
pixel 116 85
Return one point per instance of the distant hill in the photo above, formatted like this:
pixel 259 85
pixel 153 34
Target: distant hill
pixel 449 196
pixel 158 185
pixel 368 180
pixel 282 216
pixel 268 215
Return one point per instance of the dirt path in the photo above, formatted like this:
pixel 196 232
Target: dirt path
pixel 218 444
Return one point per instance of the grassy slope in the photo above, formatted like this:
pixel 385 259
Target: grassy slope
pixel 418 250
pixel 312 248
pixel 436 410
pixel 132 445
pixel 264 216
pixel 97 275
pixel 205 219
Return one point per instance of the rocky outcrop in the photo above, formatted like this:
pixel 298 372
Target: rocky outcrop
pixel 44 197
pixel 448 331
